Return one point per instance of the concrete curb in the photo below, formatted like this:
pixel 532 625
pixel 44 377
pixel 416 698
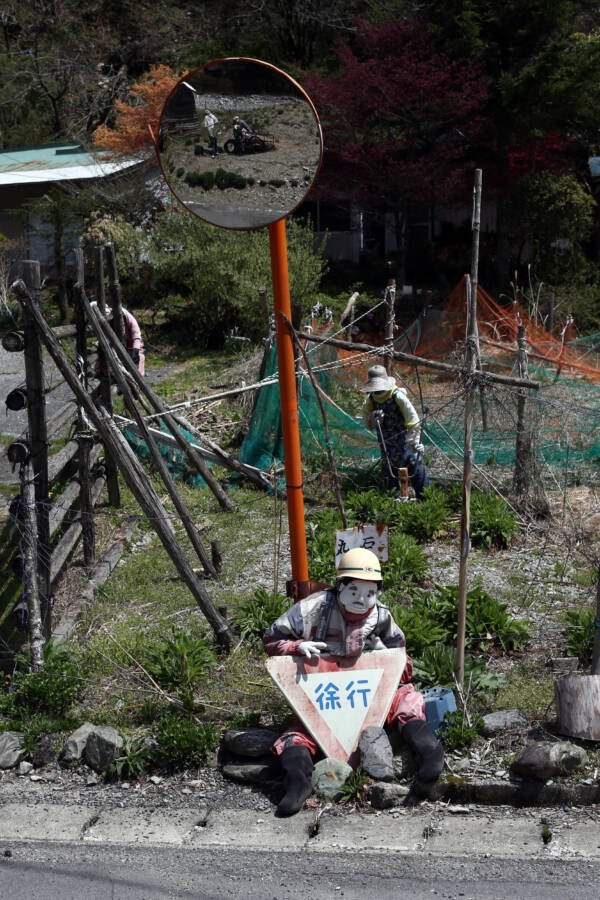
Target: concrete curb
pixel 510 793
pixel 517 837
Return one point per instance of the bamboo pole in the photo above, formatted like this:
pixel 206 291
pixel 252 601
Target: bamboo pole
pixel 465 516
pixel 419 361
pixel 134 475
pixel 194 457
pixel 155 453
pixel 390 296
pixel 521 479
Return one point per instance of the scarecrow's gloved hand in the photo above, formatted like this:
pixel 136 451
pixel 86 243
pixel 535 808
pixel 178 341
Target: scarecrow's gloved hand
pixel 413 441
pixel 312 648
pixel 377 415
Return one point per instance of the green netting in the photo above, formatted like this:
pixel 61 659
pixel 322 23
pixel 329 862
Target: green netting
pixel 352 443
pixel 176 460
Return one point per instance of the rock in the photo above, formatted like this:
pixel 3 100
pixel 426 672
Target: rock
pixel 257 771
pixel 46 751
pixel 456 810
pixel 103 745
pixel 405 764
pixel 544 760
pixel 75 743
pixel 251 742
pixel 564 665
pixel 24 768
pixel 386 796
pixel 329 777
pixel 11 749
pixel 155 779
pixel 376 753
pixel 503 720
pixel 92 781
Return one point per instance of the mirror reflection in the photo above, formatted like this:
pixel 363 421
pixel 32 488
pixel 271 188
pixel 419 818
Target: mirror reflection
pixel 239 143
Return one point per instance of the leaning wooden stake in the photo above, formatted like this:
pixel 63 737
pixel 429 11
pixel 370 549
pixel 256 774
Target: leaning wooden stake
pixel 115 292
pixel 132 471
pixel 29 546
pixel 194 457
pixel 84 436
pixel 157 459
pixel 521 479
pixel 390 296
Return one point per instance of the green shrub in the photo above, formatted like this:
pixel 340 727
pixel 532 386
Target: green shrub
pixel 198 150
pixel 435 668
pixel 428 518
pixel 204 180
pixel 182 743
pixel 407 563
pixel 374 507
pixel 320 542
pixel 456 733
pixel 180 172
pixel 276 182
pixel 579 634
pixel 224 180
pixel 136 756
pixel 493 522
pixel 419 629
pixel 51 691
pixel 256 614
pixel 179 664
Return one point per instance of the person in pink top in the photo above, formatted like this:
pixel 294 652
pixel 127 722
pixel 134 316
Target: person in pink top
pixel 133 337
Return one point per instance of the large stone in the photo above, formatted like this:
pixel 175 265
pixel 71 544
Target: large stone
pixel 259 770
pixel 11 749
pixel 503 720
pixel 102 747
pixel 253 742
pixel 75 743
pixel 544 760
pixel 46 751
pixel 385 796
pixel 329 777
pixel 376 753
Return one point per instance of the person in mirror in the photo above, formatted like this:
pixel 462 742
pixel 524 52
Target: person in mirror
pixel 241 130
pixel 210 123
pixel 347 620
pixel 388 410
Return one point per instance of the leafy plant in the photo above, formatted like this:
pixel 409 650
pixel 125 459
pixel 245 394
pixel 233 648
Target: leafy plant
pixel 258 613
pixel 354 788
pixel 427 519
pixel 225 179
pixel 579 634
pixel 456 733
pixel 54 689
pixel 435 668
pixel 180 663
pixel 135 758
pixel 420 630
pixel 181 742
pixel 320 541
pixel 407 563
pixel 374 506
pixel 493 523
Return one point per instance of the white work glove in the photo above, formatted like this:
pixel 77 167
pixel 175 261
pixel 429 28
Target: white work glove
pixel 413 441
pixel 311 648
pixel 377 415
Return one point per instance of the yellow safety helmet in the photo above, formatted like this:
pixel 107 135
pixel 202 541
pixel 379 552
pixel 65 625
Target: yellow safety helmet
pixel 359 563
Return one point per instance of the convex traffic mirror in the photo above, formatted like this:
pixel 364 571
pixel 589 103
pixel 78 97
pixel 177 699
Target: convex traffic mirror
pixel 239 143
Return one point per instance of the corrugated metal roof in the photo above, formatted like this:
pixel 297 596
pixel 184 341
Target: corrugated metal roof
pixel 57 162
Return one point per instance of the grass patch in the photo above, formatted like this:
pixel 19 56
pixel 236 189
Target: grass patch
pixel 527 689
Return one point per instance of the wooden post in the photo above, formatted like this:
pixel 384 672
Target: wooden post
pixel 134 475
pixel 578 706
pixel 194 457
pixel 521 479
pixel 403 481
pixel 476 228
pixel 465 516
pixel 390 296
pixel 115 292
pixel 112 476
pixel 84 437
pixel 38 439
pixel 155 453
pixel 29 553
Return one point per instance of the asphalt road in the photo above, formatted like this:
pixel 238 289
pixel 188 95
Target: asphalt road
pixel 45 871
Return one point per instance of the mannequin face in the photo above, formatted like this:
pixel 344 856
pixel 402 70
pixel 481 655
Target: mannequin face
pixel 379 396
pixel 358 596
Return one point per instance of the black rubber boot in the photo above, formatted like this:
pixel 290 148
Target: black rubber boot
pixel 422 741
pixel 297 766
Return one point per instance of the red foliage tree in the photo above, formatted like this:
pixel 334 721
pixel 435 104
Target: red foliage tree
pixel 130 133
pixel 402 120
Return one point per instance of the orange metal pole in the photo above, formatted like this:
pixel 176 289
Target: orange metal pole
pixel 289 401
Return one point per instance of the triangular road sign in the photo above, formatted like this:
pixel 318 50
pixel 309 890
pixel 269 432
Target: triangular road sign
pixel 337 697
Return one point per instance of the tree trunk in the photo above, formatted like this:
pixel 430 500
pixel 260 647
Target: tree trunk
pixel 578 706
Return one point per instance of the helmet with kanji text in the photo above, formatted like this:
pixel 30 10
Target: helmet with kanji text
pixel 360 564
